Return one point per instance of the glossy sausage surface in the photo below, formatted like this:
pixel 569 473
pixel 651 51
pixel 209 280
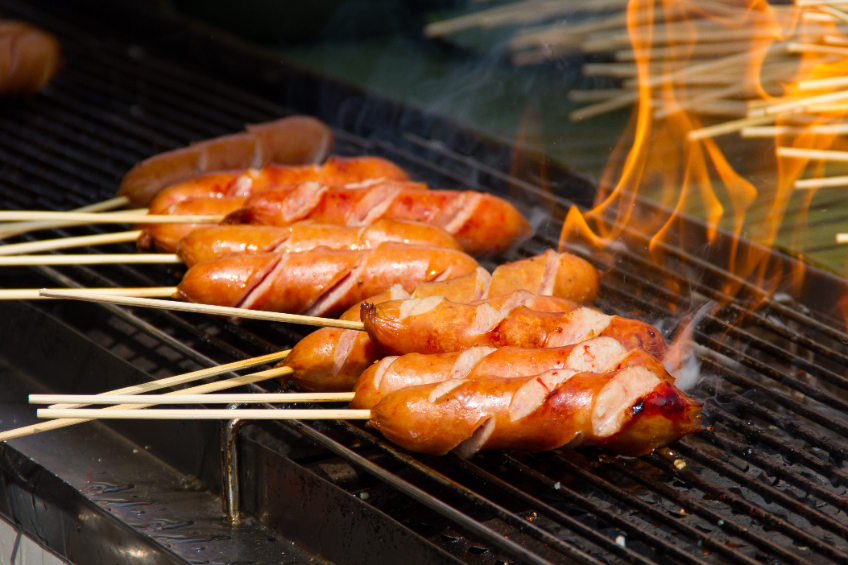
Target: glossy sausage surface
pixel 331 360
pixel 631 411
pixel 483 224
pixel 336 171
pixel 596 355
pixel 215 242
pixel 29 58
pixel 320 282
pixel 439 326
pixel 293 140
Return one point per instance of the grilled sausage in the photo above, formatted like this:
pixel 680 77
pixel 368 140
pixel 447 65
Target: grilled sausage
pixel 336 171
pixel 631 411
pixel 483 224
pixel 216 242
pixel 166 237
pixel 294 140
pixel 29 58
pixel 330 359
pixel 320 282
pixel 440 326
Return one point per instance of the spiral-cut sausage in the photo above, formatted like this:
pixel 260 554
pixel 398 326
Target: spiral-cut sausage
pixel 483 224
pixel 294 140
pixel 631 411
pixel 29 58
pixel 166 237
pixel 597 355
pixel 336 171
pixel 320 282
pixel 330 359
pixel 218 241
pixel 406 326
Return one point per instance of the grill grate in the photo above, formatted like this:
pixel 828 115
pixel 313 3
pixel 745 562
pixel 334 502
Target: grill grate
pixel 764 483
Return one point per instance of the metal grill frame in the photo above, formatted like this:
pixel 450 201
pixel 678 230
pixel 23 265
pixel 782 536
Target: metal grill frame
pixel 776 401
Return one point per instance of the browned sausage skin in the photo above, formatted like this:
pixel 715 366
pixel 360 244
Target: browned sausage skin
pixel 318 360
pixel 483 224
pixel 596 355
pixel 293 140
pixel 29 58
pixel 439 326
pixel 166 237
pixel 218 241
pixel 632 411
pixel 336 171
pixel 320 282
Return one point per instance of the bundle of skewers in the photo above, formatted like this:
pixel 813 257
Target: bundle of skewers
pixel 758 70
pixel 437 353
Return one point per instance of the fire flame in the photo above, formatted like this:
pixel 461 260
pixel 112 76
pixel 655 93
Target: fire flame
pixel 776 70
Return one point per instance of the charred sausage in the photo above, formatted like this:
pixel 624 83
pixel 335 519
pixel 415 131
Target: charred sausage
pixel 320 282
pixel 293 140
pixel 631 411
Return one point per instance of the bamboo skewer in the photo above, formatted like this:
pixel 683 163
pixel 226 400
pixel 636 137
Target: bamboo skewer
pixel 182 414
pixel 274 398
pixel 172 381
pixel 815 154
pixel 842 238
pixel 12 229
pixel 114 218
pixel 91 259
pixel 207 309
pixel 826 182
pixel 728 127
pixel 34 293
pixel 67 242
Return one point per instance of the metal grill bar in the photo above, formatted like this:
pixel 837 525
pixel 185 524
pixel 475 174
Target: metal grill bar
pixel 147 98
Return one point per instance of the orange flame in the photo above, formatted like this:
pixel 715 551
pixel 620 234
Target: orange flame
pixel 671 42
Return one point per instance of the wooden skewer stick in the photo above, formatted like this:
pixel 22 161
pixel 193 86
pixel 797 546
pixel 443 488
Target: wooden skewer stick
pixel 168 382
pixel 34 293
pixel 842 238
pixel 180 414
pixel 822 83
pixel 728 127
pixel 827 182
pixel 800 103
pixel 12 229
pixel 207 309
pixel 115 218
pixel 67 242
pixel 77 415
pixel 274 398
pixel 838 14
pixel 773 131
pixel 92 259
pixel 816 154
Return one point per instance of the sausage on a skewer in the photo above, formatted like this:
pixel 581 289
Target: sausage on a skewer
pixel 631 411
pixel 29 58
pixel 336 171
pixel 218 241
pixel 331 359
pixel 295 140
pixel 597 355
pixel 483 224
pixel 440 326
pixel 320 282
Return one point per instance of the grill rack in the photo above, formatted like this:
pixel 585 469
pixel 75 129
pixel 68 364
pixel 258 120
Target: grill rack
pixel 763 483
